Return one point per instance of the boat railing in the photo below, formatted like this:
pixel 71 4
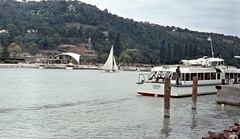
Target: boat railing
pixel 142 78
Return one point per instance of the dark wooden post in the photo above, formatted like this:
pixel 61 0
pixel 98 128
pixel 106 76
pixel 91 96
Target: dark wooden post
pixel 194 92
pixel 167 92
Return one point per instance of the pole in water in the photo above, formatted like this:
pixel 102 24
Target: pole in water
pixel 194 92
pixel 167 92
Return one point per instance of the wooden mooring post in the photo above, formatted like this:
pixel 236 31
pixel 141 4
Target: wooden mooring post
pixel 167 92
pixel 194 93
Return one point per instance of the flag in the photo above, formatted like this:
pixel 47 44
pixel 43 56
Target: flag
pixel 209 38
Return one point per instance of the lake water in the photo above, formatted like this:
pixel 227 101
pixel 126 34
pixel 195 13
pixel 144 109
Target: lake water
pixel 76 104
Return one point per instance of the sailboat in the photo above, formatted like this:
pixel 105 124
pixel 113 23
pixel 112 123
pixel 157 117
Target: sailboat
pixel 110 65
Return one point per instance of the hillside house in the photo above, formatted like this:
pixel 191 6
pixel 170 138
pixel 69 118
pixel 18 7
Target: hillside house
pixel 71 7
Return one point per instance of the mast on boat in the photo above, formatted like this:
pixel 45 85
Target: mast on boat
pixel 210 39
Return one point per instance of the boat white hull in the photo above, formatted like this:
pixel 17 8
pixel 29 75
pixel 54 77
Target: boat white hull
pixel 69 68
pixel 157 90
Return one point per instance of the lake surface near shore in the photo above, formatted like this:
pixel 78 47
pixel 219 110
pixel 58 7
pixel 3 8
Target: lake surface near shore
pixel 76 104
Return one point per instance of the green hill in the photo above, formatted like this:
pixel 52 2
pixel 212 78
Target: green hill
pixel 45 25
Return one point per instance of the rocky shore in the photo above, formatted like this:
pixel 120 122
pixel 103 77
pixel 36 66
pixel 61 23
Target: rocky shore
pixel 232 133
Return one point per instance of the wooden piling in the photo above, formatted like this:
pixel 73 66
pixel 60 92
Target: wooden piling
pixel 194 92
pixel 167 92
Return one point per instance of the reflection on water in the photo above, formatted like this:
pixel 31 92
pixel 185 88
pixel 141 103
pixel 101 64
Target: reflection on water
pixel 166 129
pixel 194 123
pixel 48 103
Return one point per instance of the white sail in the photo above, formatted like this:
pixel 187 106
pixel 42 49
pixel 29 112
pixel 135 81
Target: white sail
pixel 114 64
pixel 110 64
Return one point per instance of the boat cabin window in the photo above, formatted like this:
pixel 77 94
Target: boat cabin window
pixel 231 75
pixel 235 76
pixel 213 76
pixel 218 75
pixel 187 77
pixel 200 76
pixel 160 73
pixel 174 76
pixel 207 76
pixel 192 75
pixel 164 73
pixel 226 76
pixel 167 74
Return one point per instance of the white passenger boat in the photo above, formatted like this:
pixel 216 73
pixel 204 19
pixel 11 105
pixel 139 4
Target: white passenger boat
pixel 210 73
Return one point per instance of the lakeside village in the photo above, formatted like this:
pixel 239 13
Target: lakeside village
pixel 77 57
pixel 65 61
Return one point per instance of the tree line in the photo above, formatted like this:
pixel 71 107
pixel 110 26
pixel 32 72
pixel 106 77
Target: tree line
pixel 45 25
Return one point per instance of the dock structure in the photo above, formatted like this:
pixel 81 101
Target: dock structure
pixel 228 94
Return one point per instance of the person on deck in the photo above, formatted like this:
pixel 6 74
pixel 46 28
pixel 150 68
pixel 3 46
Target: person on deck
pixel 178 74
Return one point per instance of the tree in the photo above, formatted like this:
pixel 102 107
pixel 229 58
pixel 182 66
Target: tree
pixel 14 50
pixel 130 55
pixel 124 57
pixel 169 54
pixel 32 48
pixel 118 46
pixel 4 39
pixel 12 31
pixel 81 32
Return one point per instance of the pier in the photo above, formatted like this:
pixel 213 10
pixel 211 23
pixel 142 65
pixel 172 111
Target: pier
pixel 228 94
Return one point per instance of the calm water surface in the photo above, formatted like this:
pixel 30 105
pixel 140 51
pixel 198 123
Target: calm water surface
pixel 76 104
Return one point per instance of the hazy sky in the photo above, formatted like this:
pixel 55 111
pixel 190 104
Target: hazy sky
pixel 217 16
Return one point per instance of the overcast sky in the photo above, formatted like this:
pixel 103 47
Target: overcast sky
pixel 216 16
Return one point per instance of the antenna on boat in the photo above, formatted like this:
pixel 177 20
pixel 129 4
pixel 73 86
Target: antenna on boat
pixel 210 39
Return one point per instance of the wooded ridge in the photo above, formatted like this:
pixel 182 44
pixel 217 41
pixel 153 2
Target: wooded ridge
pixel 46 25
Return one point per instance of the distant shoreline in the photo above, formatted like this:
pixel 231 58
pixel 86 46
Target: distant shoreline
pixel 63 66
pixel 49 66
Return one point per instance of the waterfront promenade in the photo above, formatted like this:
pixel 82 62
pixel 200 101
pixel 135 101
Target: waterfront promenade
pixel 75 67
pixel 49 66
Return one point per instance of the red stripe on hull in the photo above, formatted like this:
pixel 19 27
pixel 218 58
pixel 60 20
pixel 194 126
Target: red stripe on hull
pixel 153 95
pixel 146 94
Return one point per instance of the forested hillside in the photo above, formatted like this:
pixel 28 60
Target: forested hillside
pixel 45 25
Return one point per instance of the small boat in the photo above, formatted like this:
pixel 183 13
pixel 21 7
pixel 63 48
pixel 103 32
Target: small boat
pixel 110 65
pixel 209 75
pixel 41 66
pixel 70 66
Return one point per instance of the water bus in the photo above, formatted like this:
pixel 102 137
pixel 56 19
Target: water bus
pixel 210 72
